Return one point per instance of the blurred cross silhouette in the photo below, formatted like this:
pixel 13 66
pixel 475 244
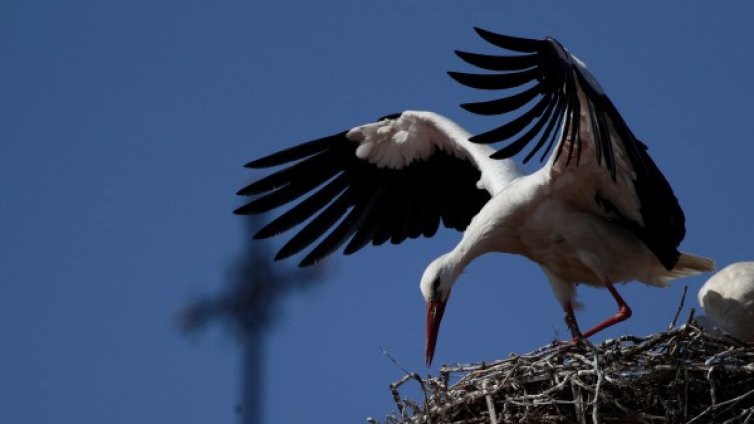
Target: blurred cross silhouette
pixel 248 307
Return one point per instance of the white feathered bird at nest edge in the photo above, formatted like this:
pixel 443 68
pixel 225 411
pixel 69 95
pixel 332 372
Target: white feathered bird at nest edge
pixel 598 212
pixel 728 301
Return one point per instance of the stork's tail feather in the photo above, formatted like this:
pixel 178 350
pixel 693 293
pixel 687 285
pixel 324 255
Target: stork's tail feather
pixel 689 265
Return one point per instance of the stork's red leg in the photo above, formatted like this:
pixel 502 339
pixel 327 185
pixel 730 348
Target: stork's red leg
pixel 570 319
pixel 624 312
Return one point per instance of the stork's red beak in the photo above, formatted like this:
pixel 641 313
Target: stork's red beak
pixel 435 309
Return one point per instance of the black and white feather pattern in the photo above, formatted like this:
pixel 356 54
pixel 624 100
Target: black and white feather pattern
pixel 559 103
pixel 394 179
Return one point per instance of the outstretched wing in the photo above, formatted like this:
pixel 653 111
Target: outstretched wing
pixel 393 179
pixel 597 163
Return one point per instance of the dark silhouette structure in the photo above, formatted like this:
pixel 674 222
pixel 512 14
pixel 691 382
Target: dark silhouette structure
pixel 248 308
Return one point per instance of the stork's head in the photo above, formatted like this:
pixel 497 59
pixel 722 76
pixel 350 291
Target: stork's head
pixel 436 283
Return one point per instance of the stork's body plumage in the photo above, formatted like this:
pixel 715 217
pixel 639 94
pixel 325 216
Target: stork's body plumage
pixel 598 212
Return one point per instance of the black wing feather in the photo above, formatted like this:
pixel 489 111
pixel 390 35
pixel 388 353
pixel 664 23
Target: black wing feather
pixel 496 81
pixel 552 120
pixel 499 63
pixel 290 191
pixel 558 77
pixel 296 152
pixel 517 145
pixel 505 104
pixel 280 179
pixel 354 202
pixel 507 42
pixel 512 128
pixel 317 226
pixel 340 234
pixel 554 123
pixel 370 221
pixel 607 148
pixel 302 211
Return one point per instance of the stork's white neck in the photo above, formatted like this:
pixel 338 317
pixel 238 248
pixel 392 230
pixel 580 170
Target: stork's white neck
pixel 491 230
pixel 460 257
pixel 472 245
pixel 486 233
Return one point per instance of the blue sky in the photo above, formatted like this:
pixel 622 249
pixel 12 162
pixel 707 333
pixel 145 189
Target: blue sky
pixel 123 128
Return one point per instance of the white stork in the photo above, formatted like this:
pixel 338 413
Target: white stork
pixel 728 301
pixel 599 212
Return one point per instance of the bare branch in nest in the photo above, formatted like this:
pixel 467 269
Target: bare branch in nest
pixel 682 375
pixel 680 307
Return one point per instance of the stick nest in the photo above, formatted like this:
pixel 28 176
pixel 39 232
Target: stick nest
pixel 683 375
